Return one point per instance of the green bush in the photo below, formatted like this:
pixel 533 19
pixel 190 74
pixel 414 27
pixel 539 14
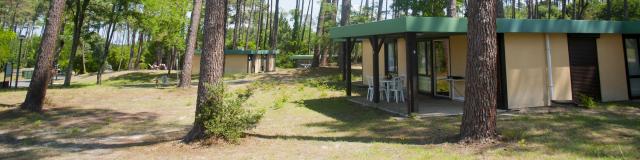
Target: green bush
pixel 225 118
pixel 586 101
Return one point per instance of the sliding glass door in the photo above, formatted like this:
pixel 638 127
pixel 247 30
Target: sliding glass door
pixel 441 68
pixel 631 44
pixel 424 67
pixel 433 67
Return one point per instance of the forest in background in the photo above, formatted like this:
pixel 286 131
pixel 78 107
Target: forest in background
pixel 137 33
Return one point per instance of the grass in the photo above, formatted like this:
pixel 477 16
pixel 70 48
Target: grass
pixel 307 118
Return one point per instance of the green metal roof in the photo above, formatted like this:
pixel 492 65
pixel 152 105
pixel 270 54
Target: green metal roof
pixel 448 25
pixel 238 52
pixel 301 57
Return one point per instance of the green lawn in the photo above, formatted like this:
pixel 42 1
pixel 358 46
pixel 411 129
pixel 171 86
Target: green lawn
pixel 307 118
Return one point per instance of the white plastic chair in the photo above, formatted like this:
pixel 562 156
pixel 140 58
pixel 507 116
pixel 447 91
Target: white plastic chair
pixel 397 89
pixel 370 89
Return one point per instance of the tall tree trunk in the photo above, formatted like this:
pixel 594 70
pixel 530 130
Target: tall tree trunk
pixel 625 9
pixel 513 9
pixel 274 34
pixel 237 24
pixel 346 12
pixel 267 32
pixel 273 39
pixel 548 9
pixel 386 9
pixel 301 20
pixel 211 63
pixel 84 62
pixel 366 8
pixel 185 75
pixel 107 44
pixel 452 9
pixel 304 19
pixel 380 4
pixel 296 16
pixel 243 20
pixel 132 52
pixel 249 30
pixel 42 74
pixel 171 60
pixel 575 8
pixel 140 48
pixel 479 116
pixel 529 14
pixel 77 29
pixel 564 9
pixel 499 9
pixel 327 46
pixel 309 45
pixel 14 24
pixel 316 53
pixel 260 16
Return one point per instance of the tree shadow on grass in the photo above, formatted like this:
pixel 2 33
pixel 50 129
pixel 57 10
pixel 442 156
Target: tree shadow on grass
pixel 66 130
pixel 368 125
pixel 593 133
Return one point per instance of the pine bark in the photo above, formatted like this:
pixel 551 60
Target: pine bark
pixel 261 17
pixel 249 26
pixel 479 116
pixel 318 49
pixel 499 9
pixel 140 48
pixel 274 34
pixel 107 44
pixel 132 52
pixel 211 62
pixel 237 24
pixel 185 75
pixel 296 21
pixel 564 9
pixel 452 9
pixel 379 14
pixel 625 9
pixel 77 29
pixel 42 74
pixel 513 9
pixel 345 12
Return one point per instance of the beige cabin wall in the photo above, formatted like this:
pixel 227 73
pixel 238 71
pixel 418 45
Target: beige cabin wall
pixel 195 64
pixel 458 55
pixel 234 64
pixel 272 62
pixel 401 45
pixel 613 82
pixel 561 69
pixel 367 60
pixel 525 69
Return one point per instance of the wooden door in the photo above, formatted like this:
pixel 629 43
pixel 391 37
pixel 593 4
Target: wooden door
pixel 583 59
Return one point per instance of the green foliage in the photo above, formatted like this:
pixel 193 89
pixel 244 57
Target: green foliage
pixel 586 101
pixel 617 8
pixel 5 51
pixel 421 7
pixel 223 114
pixel 281 101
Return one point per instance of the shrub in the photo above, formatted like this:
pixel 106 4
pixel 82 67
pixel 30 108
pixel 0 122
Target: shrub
pixel 224 116
pixel 280 102
pixel 143 66
pixel 586 101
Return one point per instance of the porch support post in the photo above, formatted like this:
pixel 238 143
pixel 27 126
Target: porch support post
pixel 348 48
pixel 376 44
pixel 412 74
pixel 341 60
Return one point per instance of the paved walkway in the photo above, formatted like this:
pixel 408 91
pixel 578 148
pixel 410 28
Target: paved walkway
pixel 427 106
